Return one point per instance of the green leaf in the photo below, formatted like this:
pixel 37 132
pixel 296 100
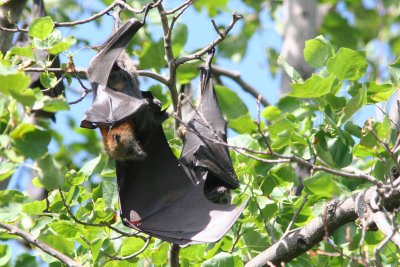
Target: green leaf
pixel 26 260
pixel 187 72
pixel 354 104
pixel 30 140
pixel 222 259
pixel 25 51
pixel 66 229
pixel 353 129
pixel 242 124
pixel 317 51
pixel 106 191
pixel 293 74
pixel 35 208
pixel 231 105
pixel 131 245
pixel 6 170
pixel 75 178
pixel 348 64
pixel 48 79
pixel 52 40
pixel 65 44
pixel 14 83
pixel 335 151
pixel 5 254
pixel 160 255
pixel 315 86
pixel 41 28
pixel 11 205
pixel 92 165
pixel 179 38
pixel 212 7
pixel 152 56
pixel 321 184
pixel 271 113
pixel 9 196
pixel 50 173
pixel 254 241
pixel 51 104
pixel 379 92
pixel 58 242
pixel 394 70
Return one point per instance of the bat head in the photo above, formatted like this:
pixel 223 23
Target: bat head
pixel 121 141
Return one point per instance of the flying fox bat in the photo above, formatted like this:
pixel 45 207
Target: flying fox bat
pixel 159 194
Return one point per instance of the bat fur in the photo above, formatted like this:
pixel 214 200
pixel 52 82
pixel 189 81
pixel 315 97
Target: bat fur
pixel 120 140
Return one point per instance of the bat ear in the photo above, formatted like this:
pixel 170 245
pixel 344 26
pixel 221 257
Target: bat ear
pixel 102 64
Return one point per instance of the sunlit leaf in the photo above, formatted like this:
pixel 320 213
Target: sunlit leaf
pixel 317 51
pixel 41 27
pixel 348 64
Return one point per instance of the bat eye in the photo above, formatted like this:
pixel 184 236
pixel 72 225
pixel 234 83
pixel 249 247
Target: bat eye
pixel 117 138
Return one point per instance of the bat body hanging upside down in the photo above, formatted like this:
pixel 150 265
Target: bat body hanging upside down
pixel 120 139
pixel 159 194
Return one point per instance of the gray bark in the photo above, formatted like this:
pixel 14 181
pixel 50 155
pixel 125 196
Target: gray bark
pixel 300 19
pixel 10 13
pixel 336 215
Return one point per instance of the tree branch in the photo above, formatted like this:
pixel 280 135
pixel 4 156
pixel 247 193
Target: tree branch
pixel 13 229
pixel 169 55
pixel 174 255
pixel 337 214
pixel 384 226
pixel 89 19
pixel 220 38
pixel 235 76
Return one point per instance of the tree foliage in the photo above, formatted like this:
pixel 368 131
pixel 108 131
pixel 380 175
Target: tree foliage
pixel 325 123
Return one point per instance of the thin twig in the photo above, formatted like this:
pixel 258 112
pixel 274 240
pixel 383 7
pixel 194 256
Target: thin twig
pixel 198 54
pixel 81 72
pixel 56 84
pixel 91 18
pixel 176 16
pixel 84 94
pixel 264 220
pixel 236 240
pixel 295 215
pixel 15 230
pixel 216 29
pixel 86 91
pixel 16 29
pixel 95 224
pixel 153 75
pixel 258 123
pixel 184 5
pixel 384 145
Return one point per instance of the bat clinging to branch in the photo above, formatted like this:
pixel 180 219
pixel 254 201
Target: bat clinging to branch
pixel 159 194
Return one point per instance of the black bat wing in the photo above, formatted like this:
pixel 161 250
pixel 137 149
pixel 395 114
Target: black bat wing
pixel 163 198
pixel 101 65
pixel 110 106
pixel 208 124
